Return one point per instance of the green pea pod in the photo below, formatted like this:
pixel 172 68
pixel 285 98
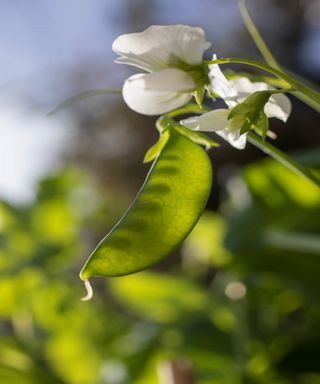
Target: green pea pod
pixel 164 212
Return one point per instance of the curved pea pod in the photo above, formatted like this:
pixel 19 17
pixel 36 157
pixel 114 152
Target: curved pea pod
pixel 162 215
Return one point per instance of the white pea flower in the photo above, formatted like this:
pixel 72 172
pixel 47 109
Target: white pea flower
pixel 173 56
pixel 234 92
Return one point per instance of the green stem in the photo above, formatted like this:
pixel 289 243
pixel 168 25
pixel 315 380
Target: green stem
pixel 268 56
pixel 307 100
pixel 280 156
pixel 255 34
pixel 308 92
pixel 191 108
pixel 295 241
pixel 84 95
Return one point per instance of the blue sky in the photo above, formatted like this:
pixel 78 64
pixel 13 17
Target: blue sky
pixel 41 39
pixel 40 33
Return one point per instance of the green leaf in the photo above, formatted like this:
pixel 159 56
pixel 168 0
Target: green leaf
pixel 205 244
pixel 156 149
pixel 277 231
pixel 165 298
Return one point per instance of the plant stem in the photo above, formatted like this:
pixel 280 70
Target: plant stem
pixel 284 159
pixel 268 56
pixel 190 108
pixel 295 241
pixel 84 95
pixel 256 36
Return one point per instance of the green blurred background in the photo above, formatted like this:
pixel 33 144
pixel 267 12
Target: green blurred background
pixel 239 300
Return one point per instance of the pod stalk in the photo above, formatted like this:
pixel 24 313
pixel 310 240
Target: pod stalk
pixel 89 291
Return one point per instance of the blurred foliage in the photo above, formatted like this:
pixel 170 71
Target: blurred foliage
pixel 241 302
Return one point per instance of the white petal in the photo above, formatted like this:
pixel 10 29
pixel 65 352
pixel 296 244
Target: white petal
pixel 212 121
pixel 239 143
pixel 221 85
pixel 244 85
pixel 278 106
pixel 161 46
pixel 217 121
pixel 234 138
pixel 158 92
pixel 169 79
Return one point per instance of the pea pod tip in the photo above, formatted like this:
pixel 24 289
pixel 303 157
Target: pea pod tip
pixel 89 289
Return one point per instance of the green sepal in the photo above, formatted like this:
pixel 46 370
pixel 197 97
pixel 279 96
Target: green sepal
pixel 196 137
pixel 156 149
pixel 253 103
pixel 165 123
pixel 257 120
pixel 212 94
pixel 199 95
pixel 253 77
pixel 246 126
pixel 262 124
pixel 252 109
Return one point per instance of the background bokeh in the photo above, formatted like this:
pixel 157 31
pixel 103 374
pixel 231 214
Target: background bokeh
pixel 240 299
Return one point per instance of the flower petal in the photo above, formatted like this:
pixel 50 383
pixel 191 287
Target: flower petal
pixel 233 138
pixel 161 46
pixel 158 92
pixel 221 85
pixel 278 106
pixel 215 120
pixel 245 86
